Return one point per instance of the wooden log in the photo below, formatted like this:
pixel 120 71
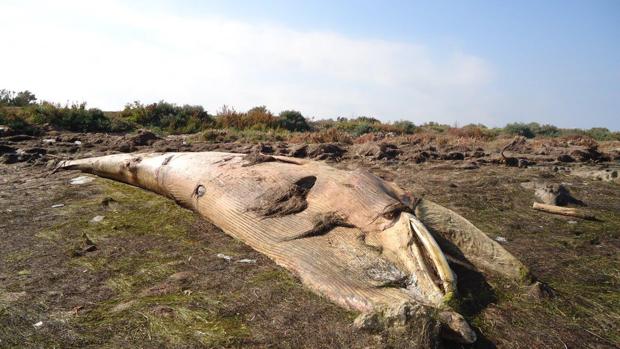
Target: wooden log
pixel 564 211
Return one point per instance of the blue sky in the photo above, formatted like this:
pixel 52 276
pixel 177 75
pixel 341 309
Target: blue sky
pixel 454 62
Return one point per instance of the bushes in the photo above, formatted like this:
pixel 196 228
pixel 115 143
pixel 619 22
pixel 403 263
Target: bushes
pixel 21 112
pixel 167 117
pixel 519 129
pixel 16 99
pixel 73 118
pixel 17 121
pixel 603 134
pixel 292 120
pixel 404 127
pixel 533 129
pixel 257 118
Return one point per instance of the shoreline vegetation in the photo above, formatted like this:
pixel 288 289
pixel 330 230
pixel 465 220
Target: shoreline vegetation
pixel 22 113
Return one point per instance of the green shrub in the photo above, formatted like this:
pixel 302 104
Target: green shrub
pixel 603 134
pixel 362 128
pixel 292 120
pixel 519 129
pixel 257 119
pixel 404 127
pixel 167 117
pixel 73 118
pixel 17 121
pixel 16 99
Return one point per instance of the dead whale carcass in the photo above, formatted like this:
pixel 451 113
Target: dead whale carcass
pixel 360 241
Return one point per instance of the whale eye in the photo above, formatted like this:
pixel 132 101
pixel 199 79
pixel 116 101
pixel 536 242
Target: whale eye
pixel 200 190
pixel 393 211
pixel 391 214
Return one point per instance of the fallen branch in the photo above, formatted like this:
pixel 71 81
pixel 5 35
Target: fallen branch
pixel 565 211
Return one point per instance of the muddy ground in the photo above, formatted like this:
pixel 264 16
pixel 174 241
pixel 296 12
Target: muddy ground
pixel 102 264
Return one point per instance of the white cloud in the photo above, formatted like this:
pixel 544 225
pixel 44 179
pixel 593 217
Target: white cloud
pixel 108 54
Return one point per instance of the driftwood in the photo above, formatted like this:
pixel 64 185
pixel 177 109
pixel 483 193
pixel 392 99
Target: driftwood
pixel 350 236
pixel 565 211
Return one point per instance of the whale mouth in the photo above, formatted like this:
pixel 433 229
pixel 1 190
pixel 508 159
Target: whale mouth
pixel 412 249
pixel 409 246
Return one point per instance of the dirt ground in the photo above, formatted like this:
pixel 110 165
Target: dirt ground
pixel 103 264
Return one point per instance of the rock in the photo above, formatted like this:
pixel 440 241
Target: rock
pixel 555 194
pixel 539 290
pixel 223 256
pixel 35 151
pixel 589 154
pixel 144 137
pixel 263 148
pixel 523 163
pixel 566 158
pixel 420 157
pixel 181 276
pixel 58 205
pixel 10 158
pixel 5 131
pixel 326 151
pixel 81 180
pixel 247 261
pixel 456 328
pixel 605 175
pixel 97 219
pixel 90 248
pixel 160 289
pixel 123 306
pixel 163 311
pixel 500 239
pixel 19 138
pixel 38 324
pixel 6 149
pixel 109 203
pixel 511 162
pixel 299 151
pixel 478 154
pixel 125 147
pixel 378 151
pixel 368 322
pixel 455 155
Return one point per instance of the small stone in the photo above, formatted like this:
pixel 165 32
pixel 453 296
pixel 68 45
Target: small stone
pixel 163 311
pixel 539 290
pixel 81 180
pixel 247 261
pixel 368 322
pixel 90 248
pixel 566 158
pixel 38 324
pixel 501 239
pixel 123 306
pixel 58 205
pixel 223 256
pixel 181 276
pixel 555 194
pixel 97 219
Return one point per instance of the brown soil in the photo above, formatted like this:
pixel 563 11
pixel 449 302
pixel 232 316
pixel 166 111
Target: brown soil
pixel 151 274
